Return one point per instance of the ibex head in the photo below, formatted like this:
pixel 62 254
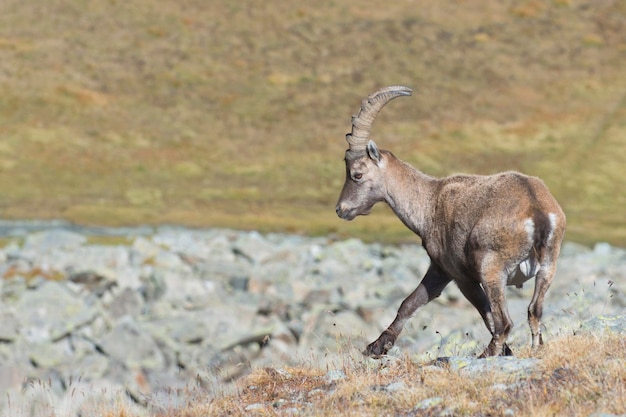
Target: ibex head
pixel 365 163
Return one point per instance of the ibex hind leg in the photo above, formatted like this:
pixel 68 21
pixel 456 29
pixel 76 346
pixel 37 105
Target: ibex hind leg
pixel 499 323
pixel 543 280
pixel 475 294
pixel 548 238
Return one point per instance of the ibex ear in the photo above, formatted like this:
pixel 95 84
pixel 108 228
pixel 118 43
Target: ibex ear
pixel 372 151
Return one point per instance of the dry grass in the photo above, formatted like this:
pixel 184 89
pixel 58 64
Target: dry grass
pixel 576 375
pixel 223 114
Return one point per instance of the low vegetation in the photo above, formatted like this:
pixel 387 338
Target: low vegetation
pixel 233 114
pixel 576 375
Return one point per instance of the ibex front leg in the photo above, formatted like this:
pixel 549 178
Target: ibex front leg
pixel 430 288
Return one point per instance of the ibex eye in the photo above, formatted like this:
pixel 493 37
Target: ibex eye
pixel 358 176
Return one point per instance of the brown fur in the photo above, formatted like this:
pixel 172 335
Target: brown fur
pixel 479 231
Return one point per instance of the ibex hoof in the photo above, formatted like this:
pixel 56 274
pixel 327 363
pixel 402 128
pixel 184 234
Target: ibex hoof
pixel 381 346
pixel 492 351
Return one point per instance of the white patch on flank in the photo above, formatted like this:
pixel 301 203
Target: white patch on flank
pixel 552 218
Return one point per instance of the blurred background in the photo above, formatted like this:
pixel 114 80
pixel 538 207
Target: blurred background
pixel 229 113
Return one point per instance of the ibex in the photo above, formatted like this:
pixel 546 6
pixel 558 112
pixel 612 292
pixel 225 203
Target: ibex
pixel 482 232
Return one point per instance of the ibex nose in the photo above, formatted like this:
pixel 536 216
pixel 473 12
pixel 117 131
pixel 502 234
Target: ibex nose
pixel 343 212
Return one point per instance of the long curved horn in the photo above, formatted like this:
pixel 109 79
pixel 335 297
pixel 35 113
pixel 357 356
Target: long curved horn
pixel 362 121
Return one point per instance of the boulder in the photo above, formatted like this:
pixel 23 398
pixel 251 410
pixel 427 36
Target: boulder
pixel 605 324
pixel 51 312
pixel 132 345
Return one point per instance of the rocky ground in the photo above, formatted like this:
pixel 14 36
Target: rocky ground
pixel 172 312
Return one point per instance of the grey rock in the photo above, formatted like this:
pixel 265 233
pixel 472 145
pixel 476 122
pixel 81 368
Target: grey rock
pixel 130 277
pixel 17 354
pixel 502 364
pixel 239 283
pixel 109 261
pixel 259 337
pixel 128 302
pixel 46 241
pixel 51 355
pixel 273 279
pixel 605 323
pixel 170 260
pixel 253 246
pixel 144 250
pixel 222 269
pixel 13 289
pixel 428 403
pixel 131 345
pixel 283 373
pixel 347 251
pixel 188 291
pixel 336 333
pixel 395 386
pixel 571 249
pixel 496 364
pixel 12 251
pixel 334 375
pixel 602 249
pixel 194 357
pixel 606 415
pixel 90 367
pixel 92 282
pixel 330 295
pixel 181 327
pixel 255 407
pixel 8 328
pixel 51 312
pixel 153 286
pixel 327 268
pixel 197 246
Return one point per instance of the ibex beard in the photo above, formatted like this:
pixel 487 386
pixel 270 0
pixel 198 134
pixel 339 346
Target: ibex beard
pixel 482 232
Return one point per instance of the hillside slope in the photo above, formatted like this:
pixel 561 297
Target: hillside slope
pixel 233 114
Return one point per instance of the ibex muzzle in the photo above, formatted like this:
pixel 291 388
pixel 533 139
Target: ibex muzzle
pixel 482 232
